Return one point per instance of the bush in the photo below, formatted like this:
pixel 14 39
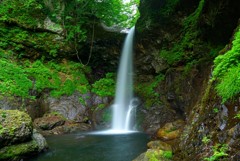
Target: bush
pixel 60 79
pixel 105 86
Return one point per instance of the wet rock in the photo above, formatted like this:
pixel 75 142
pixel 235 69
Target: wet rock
pixel 40 140
pixel 223 120
pixel 170 130
pixel 51 26
pixel 158 144
pixel 15 127
pixel 55 125
pixel 49 122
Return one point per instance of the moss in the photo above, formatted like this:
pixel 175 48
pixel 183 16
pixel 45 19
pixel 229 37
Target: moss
pixel 181 51
pixel 148 90
pixel 156 155
pixel 14 152
pixel 13 121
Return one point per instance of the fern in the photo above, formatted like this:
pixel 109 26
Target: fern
pixel 227 71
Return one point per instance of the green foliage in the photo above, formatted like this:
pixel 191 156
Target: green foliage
pixel 61 79
pixel 156 155
pixel 219 151
pixel 169 7
pixel 215 110
pixel 206 140
pixel 79 16
pixel 23 41
pixel 13 79
pixel 168 154
pixel 105 86
pixel 40 75
pixel 15 152
pixel 148 90
pixel 153 156
pixel 173 55
pixel 25 13
pixel 179 51
pixel 227 71
pixel 4 114
pixel 237 116
pixel 67 78
pixel 21 21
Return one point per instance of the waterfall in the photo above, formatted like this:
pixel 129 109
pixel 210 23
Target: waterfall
pixel 122 108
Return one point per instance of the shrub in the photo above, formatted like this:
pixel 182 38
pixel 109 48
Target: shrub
pixel 105 86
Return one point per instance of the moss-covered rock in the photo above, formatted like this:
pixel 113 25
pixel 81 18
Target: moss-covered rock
pixel 155 155
pixel 170 130
pixel 14 152
pixel 17 139
pixel 158 144
pixel 15 127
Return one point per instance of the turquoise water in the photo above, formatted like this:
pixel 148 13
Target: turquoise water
pixel 94 147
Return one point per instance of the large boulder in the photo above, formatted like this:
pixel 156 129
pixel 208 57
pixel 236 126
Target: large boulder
pixel 54 124
pixel 17 151
pixel 49 122
pixel 17 139
pixel 158 150
pixel 15 127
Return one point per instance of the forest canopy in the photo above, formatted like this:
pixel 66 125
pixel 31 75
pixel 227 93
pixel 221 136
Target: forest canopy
pixel 73 16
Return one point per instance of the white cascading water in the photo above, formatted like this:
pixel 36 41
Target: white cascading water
pixel 122 108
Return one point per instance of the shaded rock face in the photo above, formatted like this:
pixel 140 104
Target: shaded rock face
pixel 184 91
pixel 17 138
pixel 160 28
pixel 211 125
pixel 156 32
pixel 77 108
pixel 103 51
pixel 156 117
pixel 69 106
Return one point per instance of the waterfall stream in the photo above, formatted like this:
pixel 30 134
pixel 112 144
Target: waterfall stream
pixel 124 92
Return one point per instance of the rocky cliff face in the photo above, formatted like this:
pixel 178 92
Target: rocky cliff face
pixel 180 39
